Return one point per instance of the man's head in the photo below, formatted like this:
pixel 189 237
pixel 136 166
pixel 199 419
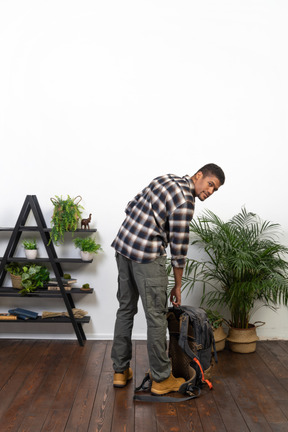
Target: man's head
pixel 207 180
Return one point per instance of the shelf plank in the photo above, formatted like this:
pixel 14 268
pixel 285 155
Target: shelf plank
pixel 63 320
pixel 45 260
pixel 36 228
pixel 14 292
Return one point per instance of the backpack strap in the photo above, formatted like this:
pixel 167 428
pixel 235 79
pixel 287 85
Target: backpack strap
pixel 143 387
pixel 151 398
pixel 196 360
pixel 183 343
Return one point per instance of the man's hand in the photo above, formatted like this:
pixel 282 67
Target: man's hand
pixel 176 294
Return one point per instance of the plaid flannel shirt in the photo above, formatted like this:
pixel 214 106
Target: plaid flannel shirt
pixel 158 216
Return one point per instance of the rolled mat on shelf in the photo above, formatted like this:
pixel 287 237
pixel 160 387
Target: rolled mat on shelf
pixel 78 313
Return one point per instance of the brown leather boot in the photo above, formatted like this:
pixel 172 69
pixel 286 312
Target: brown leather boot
pixel 168 385
pixel 120 378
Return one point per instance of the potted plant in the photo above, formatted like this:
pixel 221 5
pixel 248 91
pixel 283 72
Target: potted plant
pixel 244 266
pixel 30 248
pixel 87 246
pixel 33 277
pixel 27 277
pixel 15 270
pixel 216 320
pixel 66 215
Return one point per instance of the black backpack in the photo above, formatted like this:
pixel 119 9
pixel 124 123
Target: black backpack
pixel 190 349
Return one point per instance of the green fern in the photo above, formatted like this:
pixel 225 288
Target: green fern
pixel 87 244
pixel 65 218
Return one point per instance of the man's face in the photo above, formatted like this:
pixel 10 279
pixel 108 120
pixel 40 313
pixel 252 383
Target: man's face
pixel 205 186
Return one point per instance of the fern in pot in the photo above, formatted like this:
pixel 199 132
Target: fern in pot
pixel 88 247
pixel 66 215
pixel 244 268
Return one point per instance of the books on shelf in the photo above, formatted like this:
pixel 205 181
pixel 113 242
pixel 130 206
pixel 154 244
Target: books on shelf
pixel 7 317
pixel 23 314
pixel 57 288
pixel 53 284
pixel 64 281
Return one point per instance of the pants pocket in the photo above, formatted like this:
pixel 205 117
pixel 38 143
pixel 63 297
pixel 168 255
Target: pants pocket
pixel 156 293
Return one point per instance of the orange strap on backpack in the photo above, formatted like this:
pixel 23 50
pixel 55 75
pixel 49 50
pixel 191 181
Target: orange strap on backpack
pixel 195 359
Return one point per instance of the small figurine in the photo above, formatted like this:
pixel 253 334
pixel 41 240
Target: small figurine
pixel 85 222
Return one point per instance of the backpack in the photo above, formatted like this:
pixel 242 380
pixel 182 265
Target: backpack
pixel 190 350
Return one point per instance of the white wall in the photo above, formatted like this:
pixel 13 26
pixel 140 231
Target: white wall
pixel 99 97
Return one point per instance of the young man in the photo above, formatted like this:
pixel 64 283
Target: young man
pixel 158 216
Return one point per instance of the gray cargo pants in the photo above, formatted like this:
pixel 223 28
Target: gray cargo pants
pixel 150 282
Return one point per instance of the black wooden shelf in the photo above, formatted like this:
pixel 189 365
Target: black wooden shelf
pixel 58 320
pixel 31 204
pixel 45 260
pixel 14 292
pixel 36 228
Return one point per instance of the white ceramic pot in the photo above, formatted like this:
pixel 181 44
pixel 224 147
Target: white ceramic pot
pixel 31 253
pixel 86 256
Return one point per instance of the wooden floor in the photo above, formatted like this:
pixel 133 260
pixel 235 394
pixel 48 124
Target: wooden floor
pixel 60 386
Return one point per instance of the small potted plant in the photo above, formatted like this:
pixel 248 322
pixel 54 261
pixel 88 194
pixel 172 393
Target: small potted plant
pixel 30 248
pixel 15 270
pixel 87 246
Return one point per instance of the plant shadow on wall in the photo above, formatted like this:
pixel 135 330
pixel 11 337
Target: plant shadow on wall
pixel 244 268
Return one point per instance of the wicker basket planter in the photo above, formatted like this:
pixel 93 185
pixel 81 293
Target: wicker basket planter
pixel 242 340
pixel 16 281
pixel 220 338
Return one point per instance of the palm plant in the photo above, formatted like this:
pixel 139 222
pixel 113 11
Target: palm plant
pixel 243 264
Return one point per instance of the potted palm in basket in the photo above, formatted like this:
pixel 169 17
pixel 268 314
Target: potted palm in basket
pixel 244 267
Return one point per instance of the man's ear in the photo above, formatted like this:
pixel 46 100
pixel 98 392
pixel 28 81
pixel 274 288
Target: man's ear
pixel 198 175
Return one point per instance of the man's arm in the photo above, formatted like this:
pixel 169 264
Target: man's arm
pixel 179 241
pixel 176 291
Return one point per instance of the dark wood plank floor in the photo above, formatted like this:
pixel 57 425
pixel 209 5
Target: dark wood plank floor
pixel 60 386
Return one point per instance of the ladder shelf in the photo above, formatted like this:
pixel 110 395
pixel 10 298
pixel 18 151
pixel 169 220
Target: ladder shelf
pixel 31 204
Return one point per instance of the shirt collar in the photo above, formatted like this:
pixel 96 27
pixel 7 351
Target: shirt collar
pixel 190 183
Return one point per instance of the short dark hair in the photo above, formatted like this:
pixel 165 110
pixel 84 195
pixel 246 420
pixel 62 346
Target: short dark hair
pixel 213 169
